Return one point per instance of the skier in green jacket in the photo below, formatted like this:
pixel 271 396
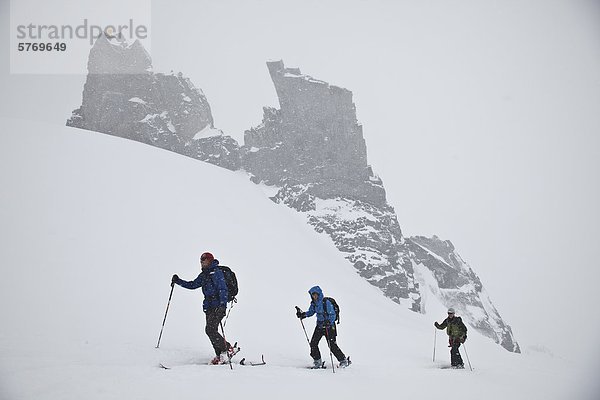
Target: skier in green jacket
pixel 457 334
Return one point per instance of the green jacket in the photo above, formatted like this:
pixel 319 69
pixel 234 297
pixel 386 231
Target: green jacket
pixel 455 327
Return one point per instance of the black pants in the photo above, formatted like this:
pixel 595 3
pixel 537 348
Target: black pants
pixel 329 333
pixel 455 358
pixel 213 319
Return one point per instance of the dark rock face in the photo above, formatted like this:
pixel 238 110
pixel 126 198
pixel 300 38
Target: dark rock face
pixel 314 138
pixel 456 285
pixel 313 149
pixel 123 97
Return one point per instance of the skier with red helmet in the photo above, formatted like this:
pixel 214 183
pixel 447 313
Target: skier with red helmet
pixel 214 288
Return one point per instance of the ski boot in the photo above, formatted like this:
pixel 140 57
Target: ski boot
pixel 345 362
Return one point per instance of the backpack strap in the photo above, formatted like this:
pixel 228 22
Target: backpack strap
pixel 325 308
pixel 214 284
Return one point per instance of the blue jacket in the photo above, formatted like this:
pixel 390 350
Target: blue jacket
pixel 317 308
pixel 214 288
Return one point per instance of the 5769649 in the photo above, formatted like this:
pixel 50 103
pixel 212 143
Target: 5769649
pixel 49 46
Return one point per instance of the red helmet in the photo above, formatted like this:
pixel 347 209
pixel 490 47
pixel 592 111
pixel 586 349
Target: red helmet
pixel 206 256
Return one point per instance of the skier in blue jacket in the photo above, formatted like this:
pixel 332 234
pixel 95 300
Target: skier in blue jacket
pixel 214 288
pixel 325 327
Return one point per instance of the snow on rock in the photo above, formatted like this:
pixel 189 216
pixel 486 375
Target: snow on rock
pixel 208 131
pixel 137 100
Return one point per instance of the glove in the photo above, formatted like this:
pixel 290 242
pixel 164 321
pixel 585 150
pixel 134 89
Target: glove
pixel 174 279
pixel 300 314
pixel 436 325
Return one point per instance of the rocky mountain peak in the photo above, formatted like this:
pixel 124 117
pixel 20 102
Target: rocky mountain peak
pixel 330 108
pixel 114 55
pixel 313 139
pixel 122 96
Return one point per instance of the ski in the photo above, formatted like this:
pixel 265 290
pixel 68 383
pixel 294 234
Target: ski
pixel 253 364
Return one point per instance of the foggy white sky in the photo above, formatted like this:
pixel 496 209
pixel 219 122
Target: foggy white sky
pixel 482 118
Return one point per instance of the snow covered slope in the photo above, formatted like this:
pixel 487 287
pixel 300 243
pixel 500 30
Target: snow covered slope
pixel 93 227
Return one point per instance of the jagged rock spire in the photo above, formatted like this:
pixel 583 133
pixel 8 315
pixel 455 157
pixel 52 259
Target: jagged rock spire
pixel 122 96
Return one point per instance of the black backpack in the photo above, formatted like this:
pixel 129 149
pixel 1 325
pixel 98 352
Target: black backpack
pixel 335 307
pixel 231 282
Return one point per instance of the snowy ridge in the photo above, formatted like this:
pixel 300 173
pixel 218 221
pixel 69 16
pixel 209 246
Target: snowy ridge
pixel 91 236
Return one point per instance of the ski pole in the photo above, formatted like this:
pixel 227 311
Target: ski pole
pixel 226 317
pixel 166 311
pixel 434 340
pixel 329 345
pixel 226 347
pixel 304 329
pixel 467 354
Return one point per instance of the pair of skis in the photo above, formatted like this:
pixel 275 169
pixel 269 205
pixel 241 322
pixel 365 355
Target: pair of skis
pixel 243 362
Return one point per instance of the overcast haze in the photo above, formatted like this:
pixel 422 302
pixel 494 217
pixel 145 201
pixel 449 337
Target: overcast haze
pixel 481 117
